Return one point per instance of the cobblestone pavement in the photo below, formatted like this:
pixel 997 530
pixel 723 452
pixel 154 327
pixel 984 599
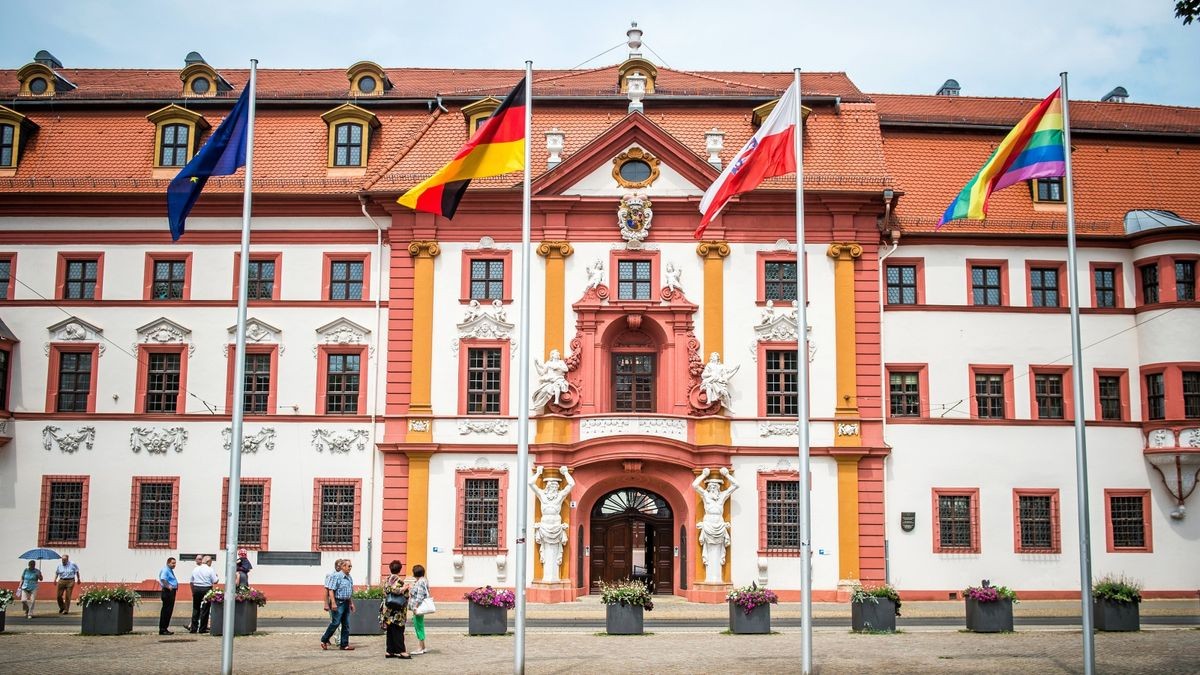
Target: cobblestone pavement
pixel 835 651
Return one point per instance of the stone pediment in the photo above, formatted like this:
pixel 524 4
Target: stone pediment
pixel 342 331
pixel 486 322
pixel 74 329
pixel 257 332
pixel 778 324
pixel 163 331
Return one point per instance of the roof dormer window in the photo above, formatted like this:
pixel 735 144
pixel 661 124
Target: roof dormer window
pixel 637 66
pixel 349 136
pixel 14 129
pixel 479 112
pixel 760 114
pixel 200 79
pixel 367 79
pixel 176 132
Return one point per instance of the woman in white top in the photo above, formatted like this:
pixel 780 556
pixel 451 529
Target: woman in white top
pixel 420 591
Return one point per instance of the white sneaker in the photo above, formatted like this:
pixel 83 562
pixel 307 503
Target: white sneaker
pixel 416 653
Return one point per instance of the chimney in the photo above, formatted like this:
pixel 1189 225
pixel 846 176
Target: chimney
pixel 635 40
pixel 554 145
pixel 714 143
pixel 47 59
pixel 636 90
pixel 949 88
pixel 1117 95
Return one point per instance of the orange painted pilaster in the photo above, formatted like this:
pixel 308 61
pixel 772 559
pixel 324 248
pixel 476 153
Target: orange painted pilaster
pixel 848 433
pixel 554 430
pixel 713 430
pixel 423 253
pixel 847 481
pixel 418 508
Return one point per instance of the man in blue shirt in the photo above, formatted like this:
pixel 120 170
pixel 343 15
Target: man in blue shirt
pixel 66 574
pixel 339 586
pixel 169 584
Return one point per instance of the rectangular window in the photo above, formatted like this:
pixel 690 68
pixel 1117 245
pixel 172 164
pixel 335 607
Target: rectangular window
pixel 1049 189
pixel 1185 280
pixel 257 393
pixel 1043 286
pixel 483 381
pixel 1106 287
pixel 64 512
pixel 633 279
pixel 260 284
pixel 5 277
pixel 1037 522
pixel 901 284
pixel 80 282
pixel 174 145
pixel 1049 392
pixel 1155 397
pixel 250 514
pixel 782 377
pixel 783 514
pixel 162 382
pixel 74 381
pixel 169 278
pixel 487 279
pixel 345 280
pixel 481 513
pixel 1191 394
pixel 1110 397
pixel 989 396
pixel 3 380
pixel 1127 520
pixel 905 394
pixel 338 508
pixel 956 531
pixel 342 384
pixel 633 382
pixel 7 141
pixel 347 149
pixel 1149 283
pixel 155 505
pixel 779 280
pixel 985 285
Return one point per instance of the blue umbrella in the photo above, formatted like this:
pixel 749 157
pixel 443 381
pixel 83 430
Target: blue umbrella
pixel 39 554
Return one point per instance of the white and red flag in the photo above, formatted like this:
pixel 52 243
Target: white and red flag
pixel 771 152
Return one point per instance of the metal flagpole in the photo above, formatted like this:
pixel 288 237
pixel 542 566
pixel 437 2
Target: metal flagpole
pixel 802 397
pixel 1081 479
pixel 239 390
pixel 523 388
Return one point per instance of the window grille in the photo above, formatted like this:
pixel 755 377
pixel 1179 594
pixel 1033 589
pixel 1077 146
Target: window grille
pixel 342 384
pixel 955 527
pixel 155 503
pixel 162 382
pixel 65 511
pixel 783 515
pixel 779 279
pixel 901 285
pixel 337 515
pixel 1037 522
pixel 481 513
pixel 1128 523
pixel 487 279
pixel 345 280
pixel 483 381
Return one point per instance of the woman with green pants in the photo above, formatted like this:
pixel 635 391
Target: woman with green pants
pixel 420 591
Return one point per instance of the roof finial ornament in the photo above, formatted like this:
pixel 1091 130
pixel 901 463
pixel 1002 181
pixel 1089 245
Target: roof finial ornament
pixel 635 40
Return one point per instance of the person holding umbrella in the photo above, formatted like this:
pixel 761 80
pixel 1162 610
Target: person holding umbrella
pixel 30 577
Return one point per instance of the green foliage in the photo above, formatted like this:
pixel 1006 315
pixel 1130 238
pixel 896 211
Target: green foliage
pixel 874 593
pixel 6 598
pixel 986 592
pixel 626 592
pixel 369 593
pixel 1117 589
pixel 1188 10
pixel 97 594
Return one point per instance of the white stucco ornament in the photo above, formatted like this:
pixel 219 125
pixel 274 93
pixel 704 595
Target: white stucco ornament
pixel 68 441
pixel 714 529
pixel 634 216
pixel 549 532
pixel 486 322
pixel 164 331
pixel 552 381
pixel 157 441
pixel 671 279
pixel 326 439
pixel 714 381
pixel 263 440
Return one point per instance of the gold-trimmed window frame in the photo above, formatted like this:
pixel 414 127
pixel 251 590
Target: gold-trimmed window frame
pixel 358 71
pixel 174 114
pixel 197 71
pixel 635 154
pixel 32 71
pixel 22 126
pixel 479 112
pixel 348 113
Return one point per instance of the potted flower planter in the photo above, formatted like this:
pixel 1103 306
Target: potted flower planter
pixel 989 617
pixel 245 618
pixel 873 616
pixel 108 617
pixel 757 622
pixel 486 620
pixel 623 619
pixel 2 613
pixel 364 620
pixel 1113 615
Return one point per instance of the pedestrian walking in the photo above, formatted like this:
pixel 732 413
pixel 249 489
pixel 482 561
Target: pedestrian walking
pixel 203 579
pixel 169 586
pixel 66 575
pixel 393 611
pixel 420 591
pixel 30 576
pixel 338 590
pixel 243 568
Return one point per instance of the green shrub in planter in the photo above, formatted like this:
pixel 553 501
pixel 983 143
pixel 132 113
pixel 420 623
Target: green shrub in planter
pixel 108 610
pixel 750 609
pixel 627 602
pixel 874 608
pixel 1115 603
pixel 989 608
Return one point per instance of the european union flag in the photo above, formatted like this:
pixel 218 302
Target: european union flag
pixel 224 152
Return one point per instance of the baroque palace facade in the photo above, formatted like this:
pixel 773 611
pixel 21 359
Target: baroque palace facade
pixel 383 346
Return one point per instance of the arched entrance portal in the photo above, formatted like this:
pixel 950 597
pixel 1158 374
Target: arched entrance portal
pixel 632 538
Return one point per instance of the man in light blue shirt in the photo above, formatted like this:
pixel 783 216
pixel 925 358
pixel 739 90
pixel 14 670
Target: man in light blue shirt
pixel 67 575
pixel 169 585
pixel 338 590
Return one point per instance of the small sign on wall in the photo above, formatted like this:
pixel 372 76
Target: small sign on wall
pixel 908 520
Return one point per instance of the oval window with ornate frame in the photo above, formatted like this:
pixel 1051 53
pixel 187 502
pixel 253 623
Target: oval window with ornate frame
pixel 635 168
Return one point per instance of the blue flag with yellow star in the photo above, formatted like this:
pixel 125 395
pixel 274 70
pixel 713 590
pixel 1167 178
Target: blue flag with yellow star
pixel 224 152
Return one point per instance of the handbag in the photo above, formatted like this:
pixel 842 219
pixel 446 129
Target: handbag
pixel 395 602
pixel 426 607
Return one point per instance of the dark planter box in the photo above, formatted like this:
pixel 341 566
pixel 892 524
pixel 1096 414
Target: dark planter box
pixel 1116 616
pixel 108 618
pixel 2 621
pixel 364 620
pixel 623 619
pixel 990 617
pixel 758 621
pixel 486 620
pixel 245 618
pixel 877 616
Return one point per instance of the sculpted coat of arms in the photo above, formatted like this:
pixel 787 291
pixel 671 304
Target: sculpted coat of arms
pixel 634 216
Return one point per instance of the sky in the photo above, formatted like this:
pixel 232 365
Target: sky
pixel 1012 48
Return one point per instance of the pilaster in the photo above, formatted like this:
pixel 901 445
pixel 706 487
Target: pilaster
pixel 849 433
pixel 423 253
pixel 418 508
pixel 713 430
pixel 554 430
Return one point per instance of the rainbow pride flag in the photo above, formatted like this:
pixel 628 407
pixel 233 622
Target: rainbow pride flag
pixel 1033 149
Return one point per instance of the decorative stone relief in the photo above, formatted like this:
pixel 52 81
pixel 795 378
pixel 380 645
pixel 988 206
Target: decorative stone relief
pixel 633 217
pixel 342 331
pixel 671 280
pixel 486 243
pixel 486 323
pixel 663 427
pixel 1160 438
pixel 501 567
pixel 1189 438
pixel 458 561
pixel 164 331
pixel 257 332
pixel 778 325
pixel 847 429
pixel 264 440
pixel 762 571
pixel 68 442
pixel 481 463
pixel 6 426
pixel 419 425
pixel 766 429
pixel 324 439
pixel 497 427
pixel 74 329
pixel 158 442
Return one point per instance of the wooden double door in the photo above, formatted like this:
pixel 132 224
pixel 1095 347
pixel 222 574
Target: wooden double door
pixel 631 538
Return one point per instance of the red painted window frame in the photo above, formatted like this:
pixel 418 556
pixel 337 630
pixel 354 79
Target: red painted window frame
pixel 148 279
pixel 1159 262
pixel 1060 266
pixel 135 506
pixel 461 476
pixel 258 256
pixel 60 281
pixel 273 392
pixel 1118 282
pixel 1010 405
pixel 919 264
pixel 763 478
pixel 760 274
pixel 463 366
pixel 1055 519
pixel 1147 521
pixel 12 275
pixel 922 371
pixel 44 516
pixel 263 543
pixel 345 256
pixel 639 255
pixel 1002 263
pixel 323 352
pixel 1170 265
pixel 763 348
pixel 318 483
pixel 6 384
pixel 468 255
pixel 55 362
pixel 1067 386
pixel 143 376
pixel 976 543
pixel 1123 385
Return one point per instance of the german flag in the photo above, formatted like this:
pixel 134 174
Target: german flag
pixel 498 148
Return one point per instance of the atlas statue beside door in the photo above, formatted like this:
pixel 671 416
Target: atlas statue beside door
pixel 714 529
pixel 549 532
